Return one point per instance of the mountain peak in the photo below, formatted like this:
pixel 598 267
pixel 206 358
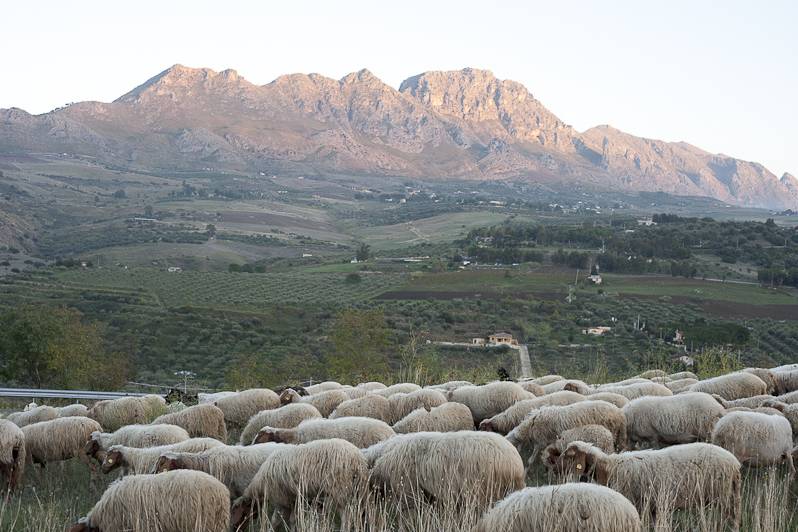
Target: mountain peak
pixel 363 75
pixel 179 79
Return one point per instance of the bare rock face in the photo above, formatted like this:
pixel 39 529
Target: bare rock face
pixel 464 124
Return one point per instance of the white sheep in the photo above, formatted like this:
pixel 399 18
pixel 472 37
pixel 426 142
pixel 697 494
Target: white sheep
pixel 785 381
pixel 402 387
pixel 789 411
pixel 325 386
pixel 113 414
pixel 33 415
pixel 285 417
pixel 324 401
pixel 732 386
pixel 651 373
pixel 372 386
pixel 686 476
pixel 547 379
pixel 12 454
pixel 767 376
pixel 679 385
pixel 360 431
pixel 240 407
pixel 140 460
pixel 133 436
pixel 449 386
pixel 681 375
pixel 788 398
pixel 446 467
pixel 58 439
pixel 233 465
pixel 571 385
pixel 331 470
pixel 200 421
pixel 76 409
pixel 613 398
pixel 401 404
pixel 490 399
pixel 682 418
pixel 564 508
pixel 639 389
pixel 626 382
pixel 746 402
pixel 210 398
pixel 510 418
pixel 542 426
pixel 755 438
pixel 372 405
pixel 449 417
pixel 177 501
pixel 532 387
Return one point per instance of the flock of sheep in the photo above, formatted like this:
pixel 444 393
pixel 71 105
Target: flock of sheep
pixel 631 444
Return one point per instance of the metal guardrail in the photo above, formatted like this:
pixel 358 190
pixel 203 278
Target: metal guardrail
pixel 64 394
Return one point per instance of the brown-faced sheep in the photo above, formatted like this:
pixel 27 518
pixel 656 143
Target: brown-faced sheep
pixel 402 387
pixel 490 399
pixel 639 389
pixel 542 426
pixel 133 436
pixel 141 460
pixel 178 501
pixel 570 385
pixel 58 439
pixel 446 467
pixel 564 508
pixel 401 404
pixel 595 435
pixel 449 417
pixel 200 421
pixel 359 431
pixel 682 418
pixel 732 386
pixel 686 476
pixel 233 465
pixel 372 405
pixel 240 407
pixel 331 470
pixel 12 454
pixel 507 420
pixel 36 414
pixel 532 387
pixel 285 417
pixel 113 414
pixel 756 439
pixel 325 401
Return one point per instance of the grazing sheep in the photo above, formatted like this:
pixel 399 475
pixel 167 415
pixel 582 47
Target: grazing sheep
pixel 732 386
pixel 359 431
pixel 613 398
pixel 547 379
pixel 449 417
pixel 371 386
pixel 113 414
pixel 233 465
pixel 542 426
pixel 402 387
pixel 325 402
pixel 133 436
pixel 240 407
pixel 788 398
pixel 326 386
pixel 681 375
pixel 746 402
pixel 785 367
pixel 154 406
pixel 761 409
pixel 650 374
pixel 354 393
pixel 789 411
pixel 564 508
pixel 58 439
pixel 679 385
pixel 477 467
pixel 36 414
pixel 595 435
pixel 490 399
pixel 372 405
pixel 683 418
pixel 571 385
pixel 285 417
pixel 785 381
pixel 756 439
pixel 449 386
pixel 177 501
pixel 626 382
pixel 200 421
pixel 12 454
pixel 210 398
pixel 331 470
pixel 532 387
pixel 688 476
pixel 140 460
pixel 76 409
pixel 401 404
pixel 506 421
pixel 640 389
pixel 767 376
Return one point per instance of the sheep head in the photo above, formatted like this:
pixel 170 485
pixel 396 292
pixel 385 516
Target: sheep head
pixel 580 458
pixel 571 387
pixel 267 435
pixel 82 526
pixel 167 462
pixel 288 396
pixel 551 457
pixel 112 460
pixel 241 513
pixel 487 426
pixel 92 447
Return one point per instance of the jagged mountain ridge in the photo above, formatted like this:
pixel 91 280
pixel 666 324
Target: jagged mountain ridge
pixel 456 124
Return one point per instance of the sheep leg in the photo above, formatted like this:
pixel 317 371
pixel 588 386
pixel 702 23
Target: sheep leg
pixel 281 517
pixel 790 464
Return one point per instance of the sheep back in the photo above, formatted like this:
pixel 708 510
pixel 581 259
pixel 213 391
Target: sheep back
pixel 371 405
pixel 448 417
pixel 199 421
pixel 240 407
pixel 57 439
pixel 285 417
pixel 732 386
pixel 507 420
pixel 490 399
pixel 682 418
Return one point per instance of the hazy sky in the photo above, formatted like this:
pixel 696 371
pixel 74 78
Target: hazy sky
pixel 722 74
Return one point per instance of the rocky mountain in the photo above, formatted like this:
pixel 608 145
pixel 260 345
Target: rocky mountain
pixel 459 124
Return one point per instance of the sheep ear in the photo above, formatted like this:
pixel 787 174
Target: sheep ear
pixel 240 513
pixel 550 455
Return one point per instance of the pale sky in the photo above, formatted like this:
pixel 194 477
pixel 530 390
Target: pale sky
pixel 722 75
